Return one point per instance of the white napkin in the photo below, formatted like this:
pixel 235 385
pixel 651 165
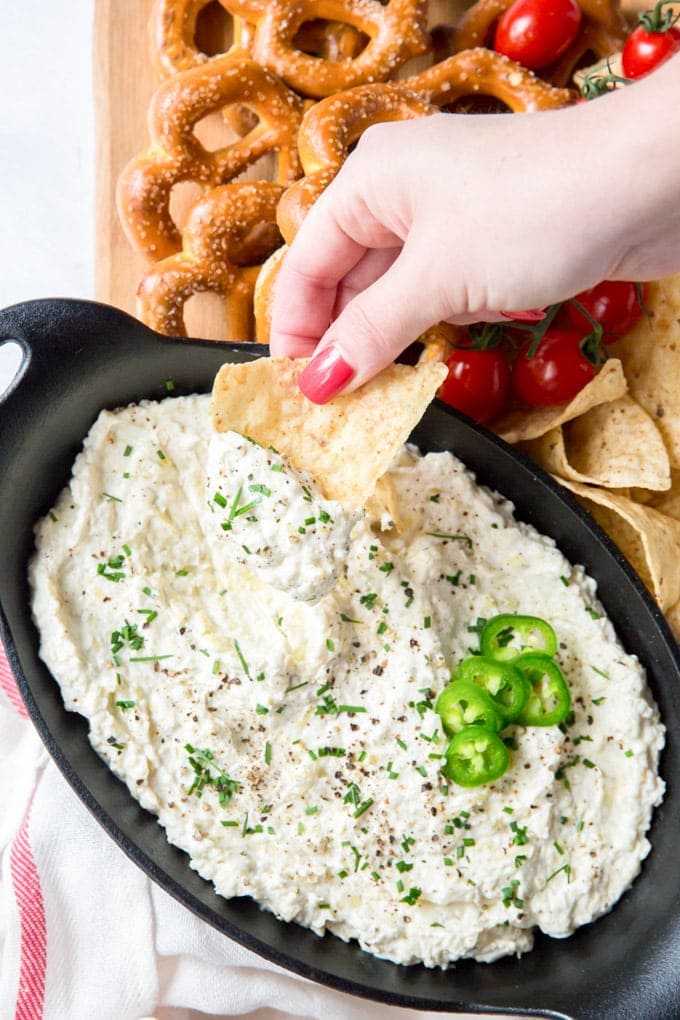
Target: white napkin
pixel 85 935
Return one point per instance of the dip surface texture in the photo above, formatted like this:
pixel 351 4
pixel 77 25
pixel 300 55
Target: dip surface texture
pixel 291 748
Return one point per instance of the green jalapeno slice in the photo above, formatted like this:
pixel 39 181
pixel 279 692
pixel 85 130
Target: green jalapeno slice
pixel 549 700
pixel 507 636
pixel 475 756
pixel 463 704
pixel 505 685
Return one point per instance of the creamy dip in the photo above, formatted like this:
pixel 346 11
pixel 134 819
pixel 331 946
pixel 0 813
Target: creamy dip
pixel 290 747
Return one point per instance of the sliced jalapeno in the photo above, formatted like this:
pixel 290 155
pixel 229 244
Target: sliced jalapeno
pixel 475 756
pixel 463 704
pixel 506 636
pixel 505 685
pixel 549 700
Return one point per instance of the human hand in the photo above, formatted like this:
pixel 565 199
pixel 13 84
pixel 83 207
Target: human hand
pixel 457 217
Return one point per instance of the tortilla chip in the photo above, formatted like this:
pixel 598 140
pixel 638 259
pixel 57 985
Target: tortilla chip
pixel 649 540
pixel 347 444
pixel 518 425
pixel 383 505
pixel 615 445
pixel 650 354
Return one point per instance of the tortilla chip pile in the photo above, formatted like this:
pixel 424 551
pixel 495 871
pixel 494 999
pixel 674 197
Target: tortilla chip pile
pixel 616 445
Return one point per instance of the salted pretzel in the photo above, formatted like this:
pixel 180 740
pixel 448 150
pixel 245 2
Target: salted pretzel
pixel 173 36
pixel 395 32
pixel 482 72
pixel 603 31
pixel 176 154
pixel 328 131
pixel 229 232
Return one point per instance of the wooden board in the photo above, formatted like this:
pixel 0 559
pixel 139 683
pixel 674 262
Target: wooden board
pixel 124 80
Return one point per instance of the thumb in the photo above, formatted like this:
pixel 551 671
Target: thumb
pixel 371 331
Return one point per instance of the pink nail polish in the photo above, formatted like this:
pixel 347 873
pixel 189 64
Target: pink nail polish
pixel 325 376
pixel 531 315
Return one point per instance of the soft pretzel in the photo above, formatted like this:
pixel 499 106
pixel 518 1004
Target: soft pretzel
pixel 177 155
pixel 229 232
pixel 395 32
pixel 326 134
pixel 482 72
pixel 603 31
pixel 173 36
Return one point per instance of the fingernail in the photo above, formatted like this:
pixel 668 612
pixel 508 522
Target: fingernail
pixel 531 315
pixel 325 376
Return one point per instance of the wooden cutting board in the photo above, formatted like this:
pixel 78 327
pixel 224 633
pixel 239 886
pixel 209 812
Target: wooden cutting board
pixel 124 80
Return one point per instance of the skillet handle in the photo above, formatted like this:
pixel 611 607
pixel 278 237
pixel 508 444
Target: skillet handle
pixel 57 335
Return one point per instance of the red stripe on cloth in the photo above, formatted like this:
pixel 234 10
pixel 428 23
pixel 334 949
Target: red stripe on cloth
pixel 28 893
pixel 8 685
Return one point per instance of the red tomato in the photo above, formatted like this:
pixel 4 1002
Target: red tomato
pixel 644 50
pixel 612 303
pixel 536 32
pixel 478 383
pixel 556 372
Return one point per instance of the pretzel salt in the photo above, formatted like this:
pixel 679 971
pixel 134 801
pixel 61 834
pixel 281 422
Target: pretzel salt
pixel 177 155
pixel 603 31
pixel 327 132
pixel 395 32
pixel 482 72
pixel 229 232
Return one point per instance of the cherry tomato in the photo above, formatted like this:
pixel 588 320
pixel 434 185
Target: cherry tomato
pixel 646 48
pixel 478 383
pixel 615 304
pixel 536 32
pixel 556 372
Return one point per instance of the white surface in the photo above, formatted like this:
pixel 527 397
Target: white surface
pixel 46 154
pixel 47 194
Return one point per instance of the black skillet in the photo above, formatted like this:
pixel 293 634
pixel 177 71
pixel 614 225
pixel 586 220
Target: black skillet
pixel 80 357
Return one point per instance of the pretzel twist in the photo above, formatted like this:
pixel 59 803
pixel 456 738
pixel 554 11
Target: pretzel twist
pixel 326 134
pixel 395 32
pixel 173 36
pixel 603 31
pixel 228 234
pixel 177 155
pixel 482 72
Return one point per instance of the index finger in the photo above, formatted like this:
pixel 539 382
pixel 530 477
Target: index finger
pixel 321 255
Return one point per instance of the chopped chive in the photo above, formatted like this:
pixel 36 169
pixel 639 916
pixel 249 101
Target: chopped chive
pixel 125 704
pixel 427 622
pixel 455 538
pixel 220 500
pixel 387 568
pixel 127 451
pixel 160 455
pixel 170 385
pixel 363 807
pixel 267 753
pixel 244 664
pixel 150 658
pixel 307 496
pixel 311 810
pixel 182 572
pixel 229 823
pixel 402 744
pixel 262 489
pixel 112 499
pixel 261 709
pixel 296 687
pixel 277 467
pixel 330 645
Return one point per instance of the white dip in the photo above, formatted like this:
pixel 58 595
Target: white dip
pixel 315 785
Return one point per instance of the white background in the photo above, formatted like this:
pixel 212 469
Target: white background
pixel 46 153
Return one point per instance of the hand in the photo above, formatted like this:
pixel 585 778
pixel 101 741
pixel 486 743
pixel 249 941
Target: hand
pixel 455 217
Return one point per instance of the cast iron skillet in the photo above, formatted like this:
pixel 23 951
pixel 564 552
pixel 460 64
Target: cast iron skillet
pixel 81 357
